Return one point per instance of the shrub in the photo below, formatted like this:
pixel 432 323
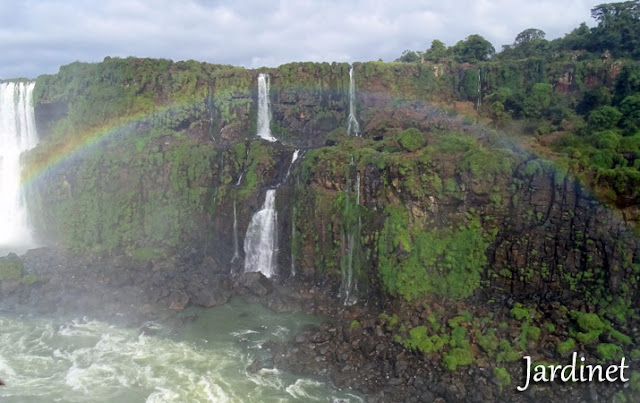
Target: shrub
pixel 411 139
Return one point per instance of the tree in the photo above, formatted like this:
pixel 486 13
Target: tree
pixel 630 109
pixel 529 35
pixel 618 28
pixel 604 117
pixel 409 56
pixel 474 48
pixel 538 100
pixel 436 52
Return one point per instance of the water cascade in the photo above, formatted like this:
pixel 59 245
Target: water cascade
pixel 17 135
pixel 236 249
pixel 353 126
pixel 296 153
pixel 244 167
pixel 294 242
pixel 260 242
pixel 351 243
pixel 264 108
pixel 479 93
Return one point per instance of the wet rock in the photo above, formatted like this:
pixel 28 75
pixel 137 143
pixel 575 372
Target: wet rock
pixel 257 284
pixel 178 300
pixel 320 337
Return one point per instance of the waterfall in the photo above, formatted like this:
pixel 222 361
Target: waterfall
pixel 479 93
pixel 264 108
pixel 350 239
pixel 17 134
pixel 261 239
pixel 236 251
pixel 296 152
pixel 293 242
pixel 353 126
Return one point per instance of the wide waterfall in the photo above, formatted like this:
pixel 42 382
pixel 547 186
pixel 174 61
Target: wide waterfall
pixel 260 243
pixel 353 126
pixel 264 108
pixel 17 135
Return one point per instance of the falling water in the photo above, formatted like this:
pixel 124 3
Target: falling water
pixel 293 242
pixel 296 152
pixel 17 134
pixel 260 242
pixel 264 108
pixel 236 251
pixel 244 165
pixel 353 126
pixel 351 238
pixel 479 93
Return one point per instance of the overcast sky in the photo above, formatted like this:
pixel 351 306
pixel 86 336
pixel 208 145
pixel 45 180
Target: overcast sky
pixel 37 36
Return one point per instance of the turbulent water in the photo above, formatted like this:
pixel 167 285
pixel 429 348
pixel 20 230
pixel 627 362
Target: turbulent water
pixel 17 135
pixel 264 108
pixel 81 360
pixel 260 240
pixel 353 127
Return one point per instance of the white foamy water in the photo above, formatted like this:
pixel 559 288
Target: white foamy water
pixel 17 135
pixel 264 109
pixel 260 240
pixel 81 360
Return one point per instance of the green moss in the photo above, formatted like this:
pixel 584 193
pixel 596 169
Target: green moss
pixel 457 357
pixel 608 351
pixel 521 313
pixel 566 346
pixel 506 353
pixel 489 341
pixel 589 322
pixel 30 279
pixel 354 324
pixel 588 337
pixel 502 376
pixel 10 269
pixel 419 339
pixel 621 337
pixel 411 139
pixel 634 381
pixel 441 261
pixel 147 254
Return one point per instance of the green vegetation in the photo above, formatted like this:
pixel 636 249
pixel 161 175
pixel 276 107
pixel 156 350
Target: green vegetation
pixel 10 269
pixel 439 261
pixel 457 357
pixel 566 346
pixel 503 377
pixel 608 351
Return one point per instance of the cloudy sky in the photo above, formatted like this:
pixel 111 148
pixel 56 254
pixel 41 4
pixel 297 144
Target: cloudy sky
pixel 37 36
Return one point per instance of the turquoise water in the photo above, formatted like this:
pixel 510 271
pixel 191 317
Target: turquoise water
pixel 205 360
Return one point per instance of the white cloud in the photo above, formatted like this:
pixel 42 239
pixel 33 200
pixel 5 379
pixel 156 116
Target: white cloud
pixel 40 35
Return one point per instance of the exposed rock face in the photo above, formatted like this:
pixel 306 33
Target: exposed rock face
pixel 549 239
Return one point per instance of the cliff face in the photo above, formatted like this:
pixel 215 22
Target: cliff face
pixel 145 156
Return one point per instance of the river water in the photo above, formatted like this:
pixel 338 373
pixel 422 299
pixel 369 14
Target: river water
pixel 44 359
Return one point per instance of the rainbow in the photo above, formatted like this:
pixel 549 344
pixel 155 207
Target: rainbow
pixel 49 154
